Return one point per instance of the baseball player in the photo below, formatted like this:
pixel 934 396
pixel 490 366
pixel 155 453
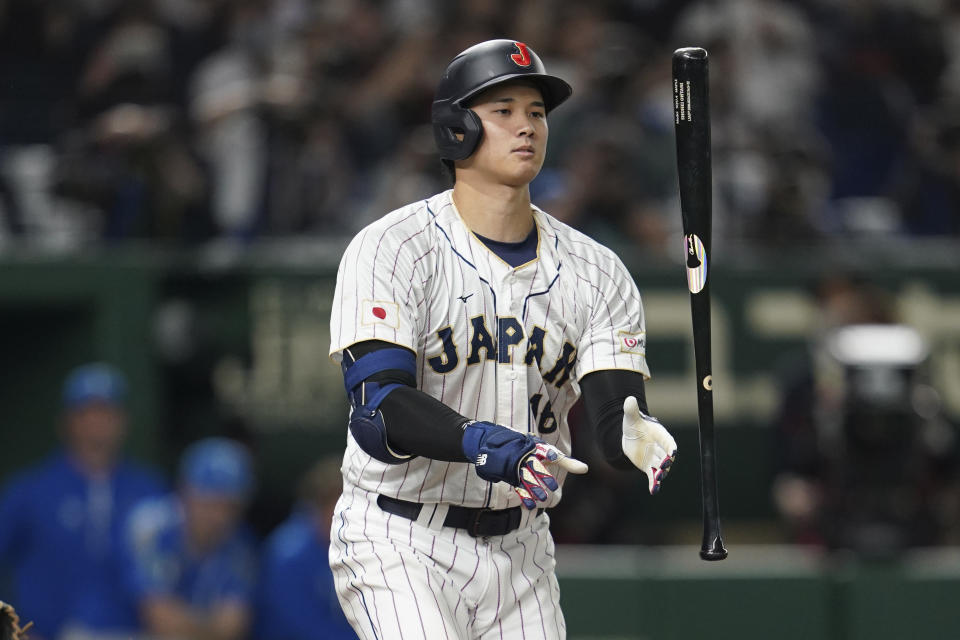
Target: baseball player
pixel 296 599
pixel 190 561
pixel 61 520
pixel 466 326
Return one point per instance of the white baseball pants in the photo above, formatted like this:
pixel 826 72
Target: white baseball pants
pixel 409 580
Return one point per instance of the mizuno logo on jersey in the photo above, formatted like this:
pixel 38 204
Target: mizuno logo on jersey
pixel 481 459
pixel 464 298
pixel 380 312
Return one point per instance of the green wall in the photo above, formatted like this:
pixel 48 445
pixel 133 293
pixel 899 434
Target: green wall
pixel 758 592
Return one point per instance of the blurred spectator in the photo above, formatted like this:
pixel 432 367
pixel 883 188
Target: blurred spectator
pixel 62 519
pixel 41 48
pixel 190 561
pixel 416 173
pixel 881 62
pixel 136 177
pixel 865 457
pixel 764 82
pixel 928 187
pixel 225 94
pixel 297 599
pixel 128 160
pixel 771 45
pixel 841 300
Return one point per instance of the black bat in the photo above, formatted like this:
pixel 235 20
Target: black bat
pixel 691 107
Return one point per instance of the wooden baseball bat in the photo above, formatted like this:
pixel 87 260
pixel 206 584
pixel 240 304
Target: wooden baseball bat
pixel 691 103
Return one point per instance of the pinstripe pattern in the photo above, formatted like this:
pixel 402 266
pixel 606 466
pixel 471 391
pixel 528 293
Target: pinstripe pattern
pixel 441 584
pixel 423 258
pixel 418 277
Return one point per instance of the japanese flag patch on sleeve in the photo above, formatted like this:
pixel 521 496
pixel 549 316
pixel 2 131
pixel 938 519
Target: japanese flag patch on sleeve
pixel 380 312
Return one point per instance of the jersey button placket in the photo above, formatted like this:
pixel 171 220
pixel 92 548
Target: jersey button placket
pixel 516 284
pixel 507 392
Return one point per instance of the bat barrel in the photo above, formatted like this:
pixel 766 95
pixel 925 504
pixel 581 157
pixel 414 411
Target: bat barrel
pixel 691 114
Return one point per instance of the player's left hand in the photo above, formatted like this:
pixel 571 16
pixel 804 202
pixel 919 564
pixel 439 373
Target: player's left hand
pixel 647 443
pixel 536 480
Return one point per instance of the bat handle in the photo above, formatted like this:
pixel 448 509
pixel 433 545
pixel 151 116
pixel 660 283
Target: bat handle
pixel 712 546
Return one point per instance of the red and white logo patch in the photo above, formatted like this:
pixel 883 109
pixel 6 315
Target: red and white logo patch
pixel 635 343
pixel 380 312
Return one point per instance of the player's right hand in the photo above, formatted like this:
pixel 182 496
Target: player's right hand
pixel 536 480
pixel 519 459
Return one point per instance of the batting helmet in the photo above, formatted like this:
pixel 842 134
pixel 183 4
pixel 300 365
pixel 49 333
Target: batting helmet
pixel 480 67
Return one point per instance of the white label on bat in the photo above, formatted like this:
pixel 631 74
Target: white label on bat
pixel 696 260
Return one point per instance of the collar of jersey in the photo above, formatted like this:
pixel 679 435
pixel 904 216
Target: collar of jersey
pixel 473 236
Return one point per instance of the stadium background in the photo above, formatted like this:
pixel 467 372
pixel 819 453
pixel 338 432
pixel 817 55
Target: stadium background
pixel 180 177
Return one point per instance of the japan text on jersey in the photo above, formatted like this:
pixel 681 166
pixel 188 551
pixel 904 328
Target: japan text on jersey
pixel 493 342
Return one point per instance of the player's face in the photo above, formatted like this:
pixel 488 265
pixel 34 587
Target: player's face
pixel 95 433
pixel 514 134
pixel 209 518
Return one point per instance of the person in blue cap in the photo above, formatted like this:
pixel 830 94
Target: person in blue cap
pixel 296 597
pixel 61 520
pixel 190 561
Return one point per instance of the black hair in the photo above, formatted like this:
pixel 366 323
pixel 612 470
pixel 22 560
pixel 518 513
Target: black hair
pixel 448 171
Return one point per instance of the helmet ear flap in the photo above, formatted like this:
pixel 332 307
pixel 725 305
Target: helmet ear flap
pixel 450 120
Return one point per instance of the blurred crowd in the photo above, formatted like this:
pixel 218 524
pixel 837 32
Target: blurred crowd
pixel 185 121
pixel 96 546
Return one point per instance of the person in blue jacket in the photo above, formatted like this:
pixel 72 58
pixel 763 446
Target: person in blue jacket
pixel 296 598
pixel 61 520
pixel 190 560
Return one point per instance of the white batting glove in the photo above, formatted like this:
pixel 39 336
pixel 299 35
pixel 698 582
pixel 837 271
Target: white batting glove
pixel 647 444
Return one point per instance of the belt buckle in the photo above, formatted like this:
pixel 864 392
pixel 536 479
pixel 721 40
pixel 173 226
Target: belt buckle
pixel 474 527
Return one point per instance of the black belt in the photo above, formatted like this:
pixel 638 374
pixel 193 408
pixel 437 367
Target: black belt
pixel 478 522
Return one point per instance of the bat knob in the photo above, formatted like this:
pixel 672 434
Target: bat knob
pixel 713 550
pixel 691 53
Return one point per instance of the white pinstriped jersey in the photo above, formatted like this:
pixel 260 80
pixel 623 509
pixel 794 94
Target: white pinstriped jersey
pixel 493 342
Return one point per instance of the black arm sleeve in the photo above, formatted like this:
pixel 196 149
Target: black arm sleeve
pixel 417 424
pixel 603 396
